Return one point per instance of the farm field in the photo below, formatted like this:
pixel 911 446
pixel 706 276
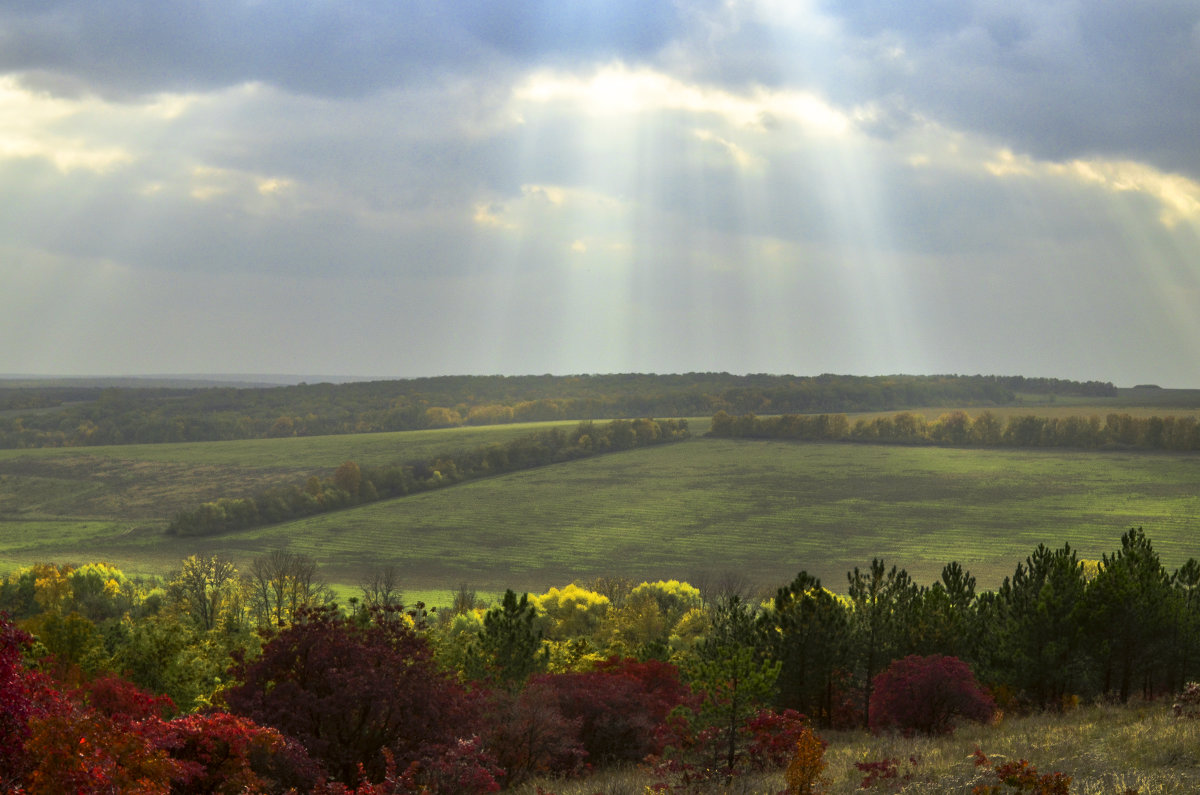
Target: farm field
pixel 705 508
pixel 142 485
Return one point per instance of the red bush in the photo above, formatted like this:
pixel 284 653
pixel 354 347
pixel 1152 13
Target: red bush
pixel 347 692
pixel 618 706
pixel 528 735
pixel 218 752
pixel 926 694
pixel 773 737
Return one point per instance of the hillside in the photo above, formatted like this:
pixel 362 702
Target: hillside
pixel 697 509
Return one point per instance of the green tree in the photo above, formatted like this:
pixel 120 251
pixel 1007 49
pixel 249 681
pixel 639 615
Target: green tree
pixel 805 632
pixel 1185 644
pixel 1130 610
pixel 879 600
pixel 202 586
pixel 509 648
pixel 735 677
pixel 1038 617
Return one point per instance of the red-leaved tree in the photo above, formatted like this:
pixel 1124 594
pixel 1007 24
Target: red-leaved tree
pixel 618 707
pixel 347 691
pixel 925 694
pixel 26 696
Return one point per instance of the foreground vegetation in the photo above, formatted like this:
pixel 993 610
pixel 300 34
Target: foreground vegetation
pixel 220 680
pixel 1106 749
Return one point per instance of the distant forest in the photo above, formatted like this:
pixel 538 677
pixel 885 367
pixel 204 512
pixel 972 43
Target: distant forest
pixel 69 416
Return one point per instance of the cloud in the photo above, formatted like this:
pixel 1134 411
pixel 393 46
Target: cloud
pixel 308 46
pixel 1058 80
pixel 742 185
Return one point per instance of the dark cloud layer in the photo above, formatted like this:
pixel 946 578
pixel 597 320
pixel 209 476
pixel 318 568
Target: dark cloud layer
pixel 1059 80
pixel 146 46
pixel 335 49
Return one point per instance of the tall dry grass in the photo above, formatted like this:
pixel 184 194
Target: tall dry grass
pixel 1106 749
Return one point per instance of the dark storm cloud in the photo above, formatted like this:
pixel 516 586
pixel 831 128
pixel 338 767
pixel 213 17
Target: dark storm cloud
pixel 307 46
pixel 1059 81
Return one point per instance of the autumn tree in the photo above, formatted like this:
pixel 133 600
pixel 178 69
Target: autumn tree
pixel 348 477
pixel 347 691
pixel 202 586
pixel 571 611
pixel 282 583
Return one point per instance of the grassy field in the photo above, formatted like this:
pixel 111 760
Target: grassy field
pixel 701 509
pixel 145 484
pixel 1107 750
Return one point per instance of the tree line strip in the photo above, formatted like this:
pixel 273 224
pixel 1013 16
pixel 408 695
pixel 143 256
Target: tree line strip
pixel 352 484
pixel 957 428
pixel 112 416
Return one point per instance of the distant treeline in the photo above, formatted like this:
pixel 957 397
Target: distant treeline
pixel 354 485
pixel 959 428
pixel 137 416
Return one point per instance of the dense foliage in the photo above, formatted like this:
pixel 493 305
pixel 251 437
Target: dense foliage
pixel 95 416
pixel 353 485
pixel 1115 431
pixel 194 684
pixel 348 690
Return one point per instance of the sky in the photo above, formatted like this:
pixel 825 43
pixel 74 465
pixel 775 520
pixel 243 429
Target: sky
pixel 427 187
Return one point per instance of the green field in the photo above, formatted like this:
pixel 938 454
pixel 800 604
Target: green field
pixel 143 485
pixel 699 510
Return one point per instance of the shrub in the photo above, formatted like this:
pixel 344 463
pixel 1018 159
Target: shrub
pixel 926 694
pixel 222 753
pixel 1187 703
pixel 618 706
pixel 528 734
pixel 885 773
pixel 804 771
pixel 349 691
pixel 773 737
pixel 1020 776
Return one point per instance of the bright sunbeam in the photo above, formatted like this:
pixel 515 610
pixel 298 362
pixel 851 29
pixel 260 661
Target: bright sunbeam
pixel 770 185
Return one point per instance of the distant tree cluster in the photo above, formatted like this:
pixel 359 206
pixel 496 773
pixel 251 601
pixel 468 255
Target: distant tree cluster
pixel 112 683
pixel 161 414
pixel 353 485
pixel 1116 431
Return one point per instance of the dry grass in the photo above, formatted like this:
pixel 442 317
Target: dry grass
pixel 1106 749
